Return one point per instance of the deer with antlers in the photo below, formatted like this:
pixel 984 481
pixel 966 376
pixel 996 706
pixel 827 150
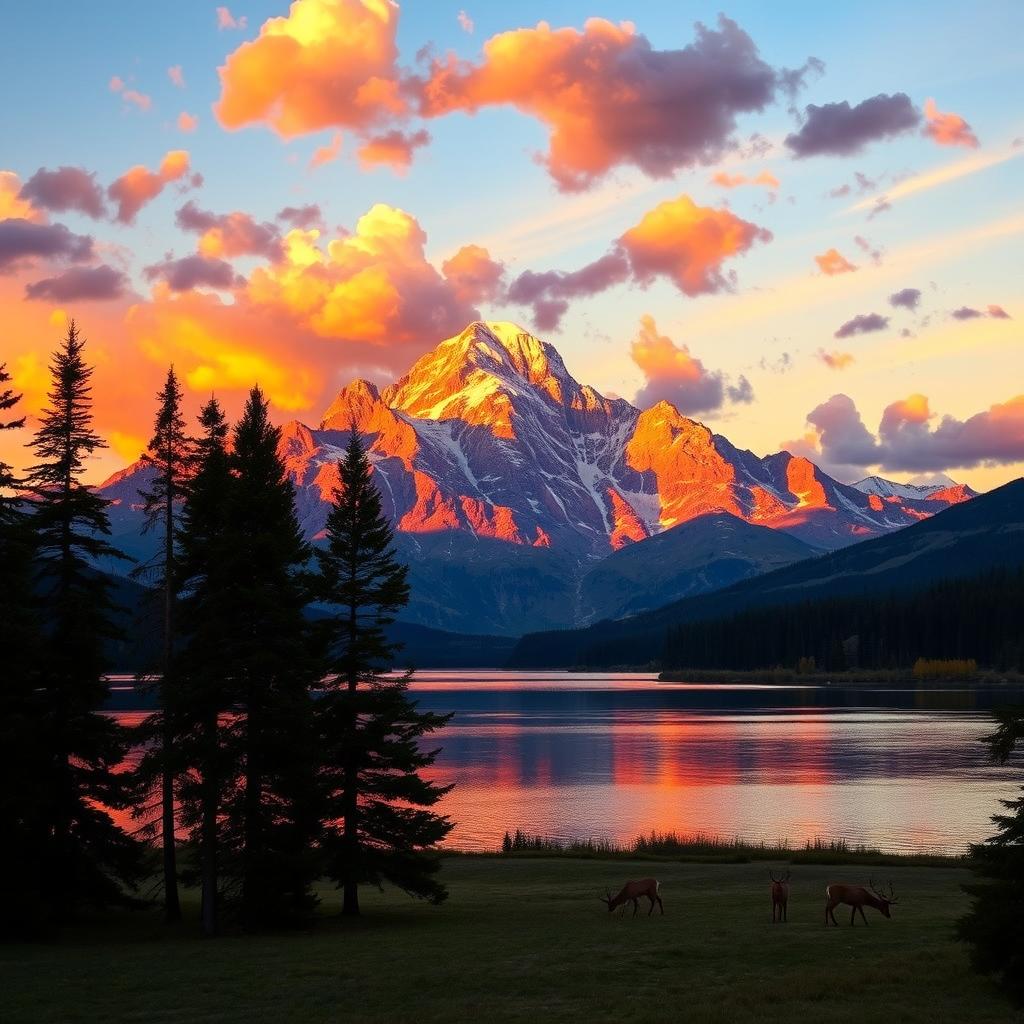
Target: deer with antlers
pixel 857 897
pixel 780 896
pixel 632 891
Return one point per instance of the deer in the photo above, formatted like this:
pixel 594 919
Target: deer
pixel 780 896
pixel 855 897
pixel 648 887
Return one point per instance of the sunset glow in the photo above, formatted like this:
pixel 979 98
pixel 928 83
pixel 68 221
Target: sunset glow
pixel 361 179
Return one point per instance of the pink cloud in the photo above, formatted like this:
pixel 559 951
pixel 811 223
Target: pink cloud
pixel 139 185
pixel 226 20
pixel 394 149
pixel 608 98
pixel 67 188
pixel 677 240
pixel 230 234
pixel 911 438
pixel 473 274
pixel 80 284
pixel 177 77
pixel 326 154
pixel 673 374
pixel 947 129
pixel 187 122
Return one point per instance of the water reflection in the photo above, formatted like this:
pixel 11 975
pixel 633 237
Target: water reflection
pixel 611 756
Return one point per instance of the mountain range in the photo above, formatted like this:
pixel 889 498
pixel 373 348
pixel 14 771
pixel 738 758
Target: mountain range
pixel 523 499
pixel 958 544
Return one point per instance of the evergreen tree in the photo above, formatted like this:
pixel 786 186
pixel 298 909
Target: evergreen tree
pixel 203 688
pixel 993 926
pixel 89 856
pixel 271 815
pixel 169 456
pixel 378 822
pixel 8 481
pixel 23 765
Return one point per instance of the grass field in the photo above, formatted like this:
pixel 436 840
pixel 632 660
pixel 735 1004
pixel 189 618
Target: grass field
pixel 525 939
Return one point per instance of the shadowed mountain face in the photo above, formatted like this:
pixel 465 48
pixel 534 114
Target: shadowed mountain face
pixel 961 542
pixel 488 448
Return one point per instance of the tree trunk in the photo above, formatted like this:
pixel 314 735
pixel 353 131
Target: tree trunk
pixel 350 891
pixel 208 838
pixel 172 905
pixel 252 855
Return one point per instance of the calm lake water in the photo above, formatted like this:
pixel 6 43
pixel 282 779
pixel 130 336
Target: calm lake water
pixel 610 756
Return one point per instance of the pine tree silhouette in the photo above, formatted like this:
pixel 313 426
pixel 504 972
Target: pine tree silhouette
pixel 202 685
pixel 993 926
pixel 378 821
pixel 169 455
pixel 24 766
pixel 89 856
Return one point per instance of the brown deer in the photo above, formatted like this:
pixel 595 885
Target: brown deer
pixel 780 895
pixel 648 887
pixel 856 897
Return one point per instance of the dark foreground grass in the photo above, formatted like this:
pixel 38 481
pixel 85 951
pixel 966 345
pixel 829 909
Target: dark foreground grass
pixel 525 939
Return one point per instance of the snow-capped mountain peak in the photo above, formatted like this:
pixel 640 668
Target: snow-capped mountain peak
pixel 489 437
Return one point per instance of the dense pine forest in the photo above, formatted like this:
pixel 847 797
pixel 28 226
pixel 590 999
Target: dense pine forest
pixel 281 752
pixel 964 619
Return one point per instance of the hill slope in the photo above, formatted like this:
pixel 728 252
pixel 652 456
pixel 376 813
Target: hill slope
pixel 962 541
pixel 705 554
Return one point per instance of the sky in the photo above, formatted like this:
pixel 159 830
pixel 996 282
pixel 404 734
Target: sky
pixel 801 224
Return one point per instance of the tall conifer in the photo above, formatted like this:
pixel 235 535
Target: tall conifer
pixel 378 821
pixel 204 689
pixel 24 767
pixel 89 856
pixel 169 456
pixel 272 816
pixel 993 926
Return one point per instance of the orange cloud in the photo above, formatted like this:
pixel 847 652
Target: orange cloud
pixel 835 360
pixel 373 286
pixel 395 149
pixel 608 98
pixel 725 180
pixel 473 274
pixel 221 346
pixel 187 122
pixel 912 410
pixel 11 203
pixel 833 262
pixel 139 185
pixel 947 129
pixel 688 243
pixel 325 154
pixel 328 64
pixel 672 373
pixel 677 239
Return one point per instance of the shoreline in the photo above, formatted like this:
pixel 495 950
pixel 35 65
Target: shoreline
pixel 1012 682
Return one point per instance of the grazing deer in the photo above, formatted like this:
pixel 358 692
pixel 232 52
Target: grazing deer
pixel 648 887
pixel 780 895
pixel 855 897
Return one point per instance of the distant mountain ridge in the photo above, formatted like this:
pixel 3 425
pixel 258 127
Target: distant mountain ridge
pixel 948 493
pixel 488 447
pixel 959 542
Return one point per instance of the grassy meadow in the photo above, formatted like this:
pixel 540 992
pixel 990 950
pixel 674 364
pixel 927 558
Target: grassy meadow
pixel 525 939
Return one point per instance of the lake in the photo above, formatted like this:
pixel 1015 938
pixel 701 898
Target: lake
pixel 610 756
